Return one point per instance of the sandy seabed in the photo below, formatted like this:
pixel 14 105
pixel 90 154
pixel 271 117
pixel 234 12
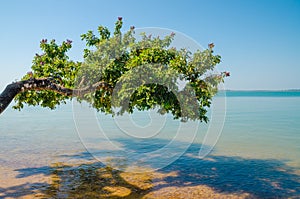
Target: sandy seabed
pixel 86 181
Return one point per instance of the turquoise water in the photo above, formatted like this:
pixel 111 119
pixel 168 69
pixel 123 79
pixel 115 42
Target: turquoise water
pixel 258 150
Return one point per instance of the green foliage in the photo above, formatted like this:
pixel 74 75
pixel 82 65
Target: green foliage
pixel 52 63
pixel 144 73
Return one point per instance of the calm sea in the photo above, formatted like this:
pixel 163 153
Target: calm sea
pixel 257 150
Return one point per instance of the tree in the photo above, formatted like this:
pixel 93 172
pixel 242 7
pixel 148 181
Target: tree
pixel 114 58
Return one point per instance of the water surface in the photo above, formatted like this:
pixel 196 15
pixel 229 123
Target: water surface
pixel 258 152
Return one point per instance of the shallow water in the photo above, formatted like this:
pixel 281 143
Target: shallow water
pixel 258 152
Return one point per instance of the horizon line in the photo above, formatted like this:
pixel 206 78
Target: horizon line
pixel 262 90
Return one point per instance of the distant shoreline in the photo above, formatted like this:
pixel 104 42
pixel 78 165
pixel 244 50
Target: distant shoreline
pixel 283 90
pixel 259 93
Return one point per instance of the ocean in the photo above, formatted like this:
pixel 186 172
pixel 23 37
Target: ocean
pixel 254 149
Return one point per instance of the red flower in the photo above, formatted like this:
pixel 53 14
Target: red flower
pixel 227 74
pixel 211 45
pixel 120 18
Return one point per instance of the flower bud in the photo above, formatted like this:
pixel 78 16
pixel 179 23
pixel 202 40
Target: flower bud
pixel 29 73
pixel 211 45
pixel 69 41
pixel 227 74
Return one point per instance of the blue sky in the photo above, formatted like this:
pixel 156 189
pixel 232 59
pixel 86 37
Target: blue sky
pixel 258 40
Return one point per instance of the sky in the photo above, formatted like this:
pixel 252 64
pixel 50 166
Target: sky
pixel 258 39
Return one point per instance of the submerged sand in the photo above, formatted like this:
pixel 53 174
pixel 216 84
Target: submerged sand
pixel 93 182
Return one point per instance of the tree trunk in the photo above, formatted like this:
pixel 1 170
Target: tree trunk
pixel 8 95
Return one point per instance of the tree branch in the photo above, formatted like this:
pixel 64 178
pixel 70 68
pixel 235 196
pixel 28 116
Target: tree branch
pixel 48 84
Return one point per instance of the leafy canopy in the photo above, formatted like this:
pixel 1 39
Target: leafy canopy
pixel 140 73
